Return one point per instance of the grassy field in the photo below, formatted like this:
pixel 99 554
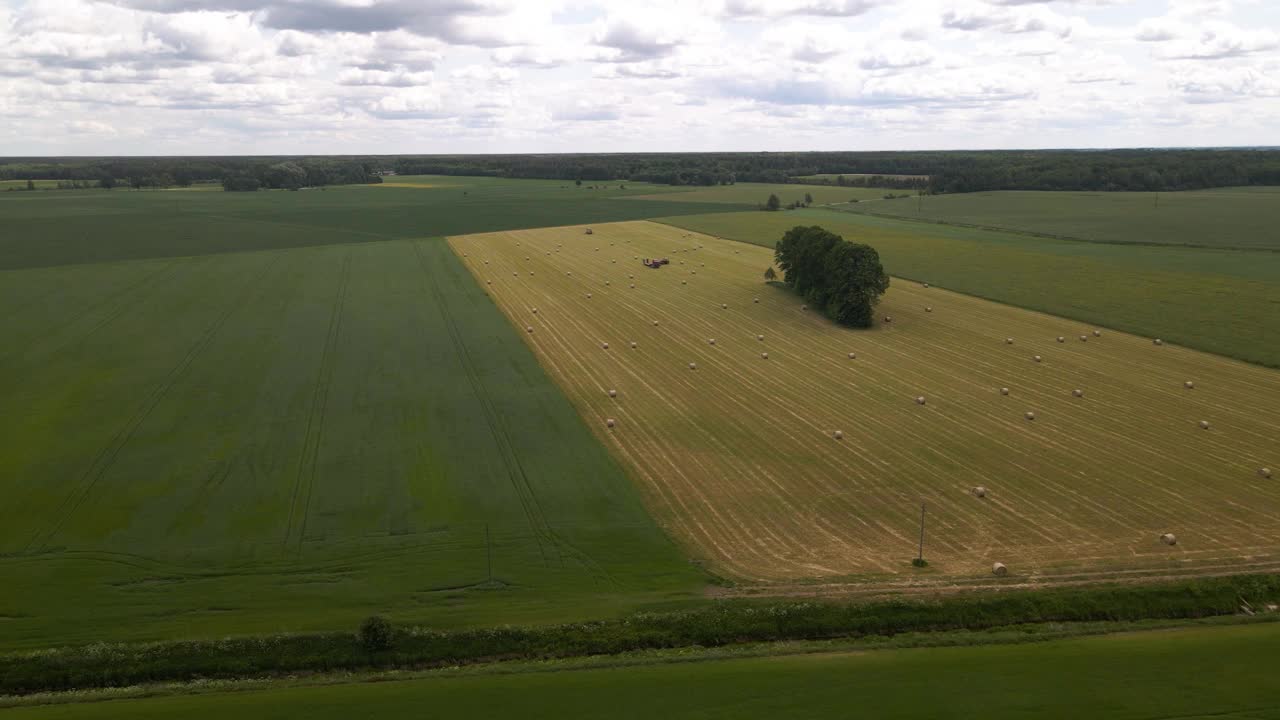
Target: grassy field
pixel 58 228
pixel 737 458
pixel 755 194
pixel 1202 672
pixel 1220 301
pixel 1243 218
pixel 292 440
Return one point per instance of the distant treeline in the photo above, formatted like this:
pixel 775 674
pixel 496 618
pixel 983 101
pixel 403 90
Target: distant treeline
pixel 940 171
pixel 235 173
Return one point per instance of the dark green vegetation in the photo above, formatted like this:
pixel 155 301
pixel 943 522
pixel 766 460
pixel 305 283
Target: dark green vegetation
pixel 1221 301
pixel 1240 218
pixel 58 228
pixel 843 279
pixel 725 623
pixel 293 439
pixel 956 171
pixel 1221 672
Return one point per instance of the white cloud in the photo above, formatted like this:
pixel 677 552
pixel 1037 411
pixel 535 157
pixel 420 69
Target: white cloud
pixel 510 75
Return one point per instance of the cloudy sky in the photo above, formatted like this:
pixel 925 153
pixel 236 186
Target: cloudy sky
pixel 431 76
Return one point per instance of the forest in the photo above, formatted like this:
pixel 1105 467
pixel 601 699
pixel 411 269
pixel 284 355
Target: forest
pixel 947 172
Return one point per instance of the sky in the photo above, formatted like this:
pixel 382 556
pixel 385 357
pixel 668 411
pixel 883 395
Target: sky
pixel 213 77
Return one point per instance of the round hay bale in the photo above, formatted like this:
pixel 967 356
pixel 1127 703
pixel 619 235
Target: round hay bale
pixel 999 570
pixel 1008 341
pixel 760 338
pixel 535 311
pixel 1158 341
pixel 1189 385
pixel 604 346
pixel 755 300
pixel 613 393
pixel 634 345
pixel 684 282
pixel 979 491
pixel 723 306
pixel 486 262
pixel 1004 391
pixel 1078 393
pixel 588 296
pixel 655 323
pixel 693 272
pixel 693 366
pixel 888 318
pixel 568 273
pixel 631 277
pixel 614 262
pixel 606 282
pixel 515 274
pixel 528 328
pixel 804 307
pixel 1030 415
pixel 530 273
pixel 839 435
pixel 926 284
pixel 1061 339
pixel 1204 424
pixel 633 286
pixel 610 422
pixel 1084 338
pixel 1169 539
pixel 928 308
pixel 1264 472
pixel 1038 358
pixel 711 341
pixel 764 356
pixel 920 400
pixel 853 356
pixel 488 282
pixel 526 257
pixel 1097 333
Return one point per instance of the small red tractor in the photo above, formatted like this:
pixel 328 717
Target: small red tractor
pixel 656 263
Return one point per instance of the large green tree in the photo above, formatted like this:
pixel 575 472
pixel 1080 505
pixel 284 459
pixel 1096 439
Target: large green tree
pixel 845 280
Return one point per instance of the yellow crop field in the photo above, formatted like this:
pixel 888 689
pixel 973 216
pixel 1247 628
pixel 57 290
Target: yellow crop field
pixel 779 448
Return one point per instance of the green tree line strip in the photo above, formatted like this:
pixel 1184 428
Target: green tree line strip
pixel 723 623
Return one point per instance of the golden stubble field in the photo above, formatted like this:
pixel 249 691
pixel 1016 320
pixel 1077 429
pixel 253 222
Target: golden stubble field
pixel 739 458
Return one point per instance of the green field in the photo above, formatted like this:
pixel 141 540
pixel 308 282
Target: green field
pixel 292 440
pixel 1242 218
pixel 756 194
pixel 58 228
pixel 1221 301
pixel 1191 673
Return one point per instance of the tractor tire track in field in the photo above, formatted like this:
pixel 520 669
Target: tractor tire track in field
pixel 519 481
pixel 304 482
pixel 144 282
pixel 543 532
pixel 107 455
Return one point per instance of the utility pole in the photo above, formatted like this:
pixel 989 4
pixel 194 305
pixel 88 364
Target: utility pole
pixel 920 557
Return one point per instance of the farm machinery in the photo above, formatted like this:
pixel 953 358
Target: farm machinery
pixel 656 263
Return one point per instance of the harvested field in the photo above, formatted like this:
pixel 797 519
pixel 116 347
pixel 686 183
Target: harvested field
pixel 739 459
